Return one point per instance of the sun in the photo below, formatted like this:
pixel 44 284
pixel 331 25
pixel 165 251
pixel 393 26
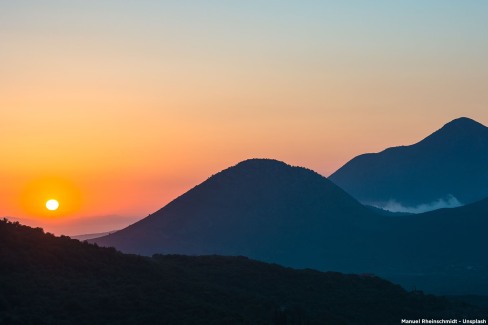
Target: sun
pixel 52 205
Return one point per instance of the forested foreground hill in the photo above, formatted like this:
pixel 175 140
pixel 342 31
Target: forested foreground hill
pixel 48 279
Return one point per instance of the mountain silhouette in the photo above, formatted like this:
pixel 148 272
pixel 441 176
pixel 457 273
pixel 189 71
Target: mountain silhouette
pixel 448 168
pixel 261 208
pixel 58 280
pixel 273 212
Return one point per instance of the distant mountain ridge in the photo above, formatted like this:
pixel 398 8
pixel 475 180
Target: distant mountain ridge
pixel 446 169
pixel 91 236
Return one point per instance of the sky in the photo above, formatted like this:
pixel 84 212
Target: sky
pixel 114 108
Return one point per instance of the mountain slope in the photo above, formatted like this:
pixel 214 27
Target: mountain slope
pixel 259 208
pixel 449 167
pixel 57 280
pixel 441 251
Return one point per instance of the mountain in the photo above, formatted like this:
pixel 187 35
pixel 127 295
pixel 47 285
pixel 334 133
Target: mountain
pixel 448 168
pixel 273 212
pixel 260 208
pixel 58 280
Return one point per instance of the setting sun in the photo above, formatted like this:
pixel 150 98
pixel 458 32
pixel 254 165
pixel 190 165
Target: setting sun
pixel 52 205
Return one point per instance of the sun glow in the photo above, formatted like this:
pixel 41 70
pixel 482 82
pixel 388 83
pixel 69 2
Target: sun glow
pixel 52 205
pixel 35 196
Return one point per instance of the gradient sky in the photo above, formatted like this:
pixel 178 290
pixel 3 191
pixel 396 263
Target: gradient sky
pixel 117 107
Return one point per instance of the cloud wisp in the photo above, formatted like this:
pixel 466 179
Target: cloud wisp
pixel 395 206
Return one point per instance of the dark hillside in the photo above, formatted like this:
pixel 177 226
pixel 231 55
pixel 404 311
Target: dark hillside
pixel 46 279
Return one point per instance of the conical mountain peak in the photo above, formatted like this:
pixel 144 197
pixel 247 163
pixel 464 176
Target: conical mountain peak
pixel 260 208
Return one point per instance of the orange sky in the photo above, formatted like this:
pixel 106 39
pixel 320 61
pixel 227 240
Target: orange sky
pixel 116 108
